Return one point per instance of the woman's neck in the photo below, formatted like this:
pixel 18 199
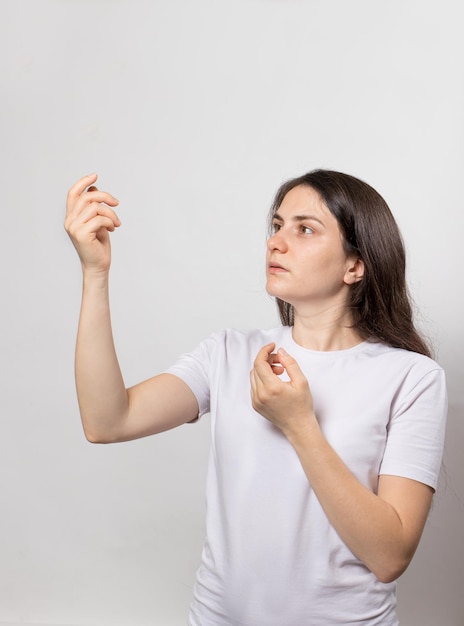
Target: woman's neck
pixel 325 332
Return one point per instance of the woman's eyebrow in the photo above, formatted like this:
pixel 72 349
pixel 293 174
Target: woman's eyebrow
pixel 300 218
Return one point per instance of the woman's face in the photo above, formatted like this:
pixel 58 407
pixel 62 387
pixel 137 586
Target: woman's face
pixel 306 261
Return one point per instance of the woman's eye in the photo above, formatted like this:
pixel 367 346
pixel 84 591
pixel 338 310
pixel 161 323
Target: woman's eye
pixel 306 230
pixel 276 226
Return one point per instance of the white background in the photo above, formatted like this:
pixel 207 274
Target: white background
pixel 193 113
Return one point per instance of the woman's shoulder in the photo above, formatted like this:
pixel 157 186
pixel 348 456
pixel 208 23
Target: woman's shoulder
pixel 402 359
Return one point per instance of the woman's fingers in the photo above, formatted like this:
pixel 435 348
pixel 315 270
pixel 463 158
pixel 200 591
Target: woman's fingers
pixel 84 192
pixel 97 208
pixel 80 186
pixel 263 360
pixel 284 403
pixel 91 226
pixel 268 365
pixel 90 217
pixel 290 365
pixel 85 201
pixel 268 362
pixel 86 220
pixel 81 202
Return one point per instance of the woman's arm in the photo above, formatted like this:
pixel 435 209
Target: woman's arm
pixel 109 411
pixel 383 529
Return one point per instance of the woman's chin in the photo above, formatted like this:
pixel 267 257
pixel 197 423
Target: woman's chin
pixel 273 289
pixel 276 293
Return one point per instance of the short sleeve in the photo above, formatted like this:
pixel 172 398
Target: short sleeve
pixel 194 368
pixel 416 430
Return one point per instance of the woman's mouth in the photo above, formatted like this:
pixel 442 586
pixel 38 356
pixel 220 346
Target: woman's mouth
pixel 276 268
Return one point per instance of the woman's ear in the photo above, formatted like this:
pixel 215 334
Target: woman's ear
pixel 355 271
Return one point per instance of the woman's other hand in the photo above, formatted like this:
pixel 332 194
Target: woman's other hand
pixel 287 404
pixel 89 220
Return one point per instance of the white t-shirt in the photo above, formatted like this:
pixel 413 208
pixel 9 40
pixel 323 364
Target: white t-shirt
pixel 271 557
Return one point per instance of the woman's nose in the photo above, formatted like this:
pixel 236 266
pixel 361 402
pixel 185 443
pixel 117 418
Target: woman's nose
pixel 277 241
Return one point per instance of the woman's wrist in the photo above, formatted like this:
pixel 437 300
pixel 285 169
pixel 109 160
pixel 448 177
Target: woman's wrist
pixel 94 278
pixel 300 432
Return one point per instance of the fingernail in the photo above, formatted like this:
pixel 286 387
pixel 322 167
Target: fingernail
pixel 282 352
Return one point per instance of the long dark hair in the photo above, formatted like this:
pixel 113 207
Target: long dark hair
pixel 380 303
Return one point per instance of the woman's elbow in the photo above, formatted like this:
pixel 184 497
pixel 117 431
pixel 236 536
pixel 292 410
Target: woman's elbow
pixel 94 435
pixel 388 572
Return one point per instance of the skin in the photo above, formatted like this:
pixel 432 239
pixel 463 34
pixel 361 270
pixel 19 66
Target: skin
pixel 307 267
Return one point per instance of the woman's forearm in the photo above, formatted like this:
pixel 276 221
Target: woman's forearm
pixel 100 386
pixel 373 528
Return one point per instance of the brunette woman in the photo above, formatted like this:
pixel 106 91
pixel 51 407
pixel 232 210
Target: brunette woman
pixel 326 456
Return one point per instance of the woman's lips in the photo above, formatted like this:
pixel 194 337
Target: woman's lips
pixel 276 268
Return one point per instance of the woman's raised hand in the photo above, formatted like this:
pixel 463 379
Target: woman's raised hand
pixel 89 220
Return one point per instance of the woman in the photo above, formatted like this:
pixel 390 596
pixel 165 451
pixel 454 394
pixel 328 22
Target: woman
pixel 319 485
